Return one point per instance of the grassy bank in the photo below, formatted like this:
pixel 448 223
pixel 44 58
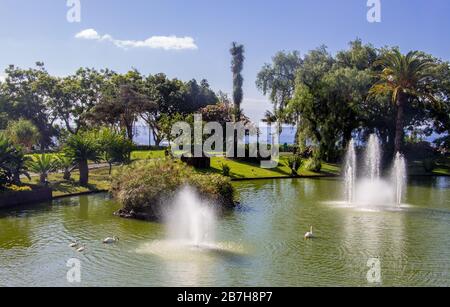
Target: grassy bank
pixel 245 170
pixel 99 180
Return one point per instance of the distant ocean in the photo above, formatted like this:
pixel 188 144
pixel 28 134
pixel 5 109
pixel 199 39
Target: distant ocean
pixel 287 136
pixel 142 136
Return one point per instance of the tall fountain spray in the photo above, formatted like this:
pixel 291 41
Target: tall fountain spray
pixel 191 221
pixel 372 190
pixel 373 157
pixel 350 172
pixel 399 177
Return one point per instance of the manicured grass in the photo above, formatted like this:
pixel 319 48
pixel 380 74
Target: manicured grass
pixel 147 154
pixel 243 170
pixel 442 168
pixel 99 179
pixel 135 155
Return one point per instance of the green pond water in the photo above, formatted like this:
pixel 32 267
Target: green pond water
pixel 259 244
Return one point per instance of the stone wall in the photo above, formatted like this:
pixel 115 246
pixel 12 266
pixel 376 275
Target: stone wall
pixel 15 198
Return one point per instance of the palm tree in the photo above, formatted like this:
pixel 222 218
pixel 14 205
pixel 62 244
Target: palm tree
pixel 81 148
pixel 404 77
pixel 269 118
pixel 43 165
pixel 12 162
pixel 66 164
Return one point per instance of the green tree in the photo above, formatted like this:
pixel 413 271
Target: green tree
pixel 81 148
pixel 23 133
pixel 30 96
pixel 43 165
pixel 277 80
pixel 164 96
pixel 76 95
pixel 197 96
pixel 115 147
pixel 66 164
pixel 237 65
pixel 121 102
pixel 13 162
pixel 404 77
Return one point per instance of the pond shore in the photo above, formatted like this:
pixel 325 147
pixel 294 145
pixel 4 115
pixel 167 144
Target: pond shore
pixel 240 171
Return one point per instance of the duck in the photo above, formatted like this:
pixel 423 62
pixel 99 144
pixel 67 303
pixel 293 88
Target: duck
pixel 111 240
pixel 309 234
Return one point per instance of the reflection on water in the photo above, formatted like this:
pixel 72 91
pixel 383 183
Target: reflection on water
pixel 259 244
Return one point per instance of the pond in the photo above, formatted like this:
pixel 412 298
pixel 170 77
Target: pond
pixel 259 244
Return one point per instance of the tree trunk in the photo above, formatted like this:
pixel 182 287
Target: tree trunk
pixel 16 178
pixel 84 172
pixel 347 137
pixel 399 129
pixel 129 129
pixel 42 178
pixel 67 175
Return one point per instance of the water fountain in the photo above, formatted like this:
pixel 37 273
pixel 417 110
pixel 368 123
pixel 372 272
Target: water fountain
pixel 371 190
pixel 350 171
pixel 399 177
pixel 373 158
pixel 191 221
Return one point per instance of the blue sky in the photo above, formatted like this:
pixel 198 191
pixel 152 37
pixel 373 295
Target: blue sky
pixel 33 31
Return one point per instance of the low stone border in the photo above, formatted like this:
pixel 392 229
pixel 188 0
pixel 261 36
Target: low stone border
pixel 15 198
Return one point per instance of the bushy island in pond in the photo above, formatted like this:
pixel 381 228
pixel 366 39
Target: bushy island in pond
pixel 144 189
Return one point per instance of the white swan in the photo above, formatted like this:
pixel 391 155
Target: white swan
pixel 310 234
pixel 111 240
pixel 74 244
pixel 81 249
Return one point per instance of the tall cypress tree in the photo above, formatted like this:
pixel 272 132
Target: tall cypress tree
pixel 237 64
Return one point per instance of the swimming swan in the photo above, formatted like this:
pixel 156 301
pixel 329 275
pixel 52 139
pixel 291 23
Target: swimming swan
pixel 111 240
pixel 74 244
pixel 81 249
pixel 310 234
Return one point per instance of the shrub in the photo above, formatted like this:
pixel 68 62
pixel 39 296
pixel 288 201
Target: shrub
pixel 226 170
pixel 313 165
pixel 429 164
pixel 144 186
pixel 294 163
pixel 12 162
pixel 43 165
pixel 16 188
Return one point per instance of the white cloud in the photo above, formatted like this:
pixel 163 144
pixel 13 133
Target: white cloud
pixel 88 34
pixel 2 78
pixel 154 42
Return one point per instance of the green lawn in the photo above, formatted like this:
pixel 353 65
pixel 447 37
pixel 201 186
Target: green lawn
pixel 442 168
pixel 243 170
pixel 147 154
pixel 135 155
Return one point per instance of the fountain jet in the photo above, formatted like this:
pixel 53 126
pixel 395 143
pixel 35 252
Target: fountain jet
pixel 372 189
pixel 399 177
pixel 350 171
pixel 191 221
pixel 373 157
